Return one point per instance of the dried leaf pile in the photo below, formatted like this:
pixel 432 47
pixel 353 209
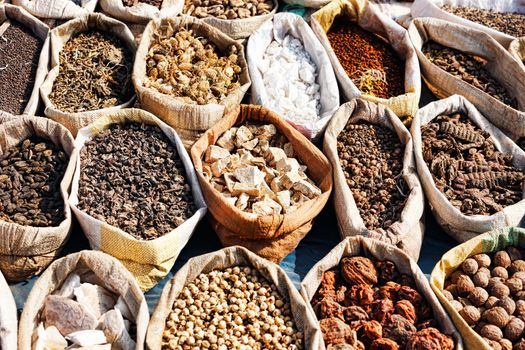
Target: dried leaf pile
pixel 227 9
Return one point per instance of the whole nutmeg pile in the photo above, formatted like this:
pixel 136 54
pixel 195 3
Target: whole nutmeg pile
pixel 369 305
pixel 227 9
pixel 487 291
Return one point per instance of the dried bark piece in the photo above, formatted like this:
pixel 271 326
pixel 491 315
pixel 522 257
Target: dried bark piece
pixel 330 308
pixel 382 310
pixel 96 298
pixel 49 339
pixel 67 315
pixel 430 339
pixel 358 270
pixel 115 331
pixel 87 338
pixel 71 282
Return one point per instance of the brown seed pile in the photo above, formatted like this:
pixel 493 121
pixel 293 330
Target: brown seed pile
pixel 227 9
pixel 466 166
pixel 487 291
pixel 132 177
pixel 368 304
pixel 469 68
pixel 372 160
pixel 30 176
pixel 19 54
pixel 372 64
pixel 95 73
pixel 156 3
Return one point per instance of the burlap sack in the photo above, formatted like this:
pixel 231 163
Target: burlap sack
pixel 149 261
pixel 486 243
pixel 464 227
pixel 223 259
pixel 57 9
pixel 407 233
pixel 502 67
pixel 190 120
pixel 141 12
pixel 370 19
pixel 8 317
pixel 272 237
pixel 4 116
pixel 517 49
pixel 25 250
pixel 39 29
pixel 59 37
pixel 278 28
pixel 361 246
pixel 107 270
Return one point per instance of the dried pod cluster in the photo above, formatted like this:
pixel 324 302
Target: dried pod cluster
pixel 234 308
pixel 369 305
pixel 467 168
pixel 255 169
pixel 227 9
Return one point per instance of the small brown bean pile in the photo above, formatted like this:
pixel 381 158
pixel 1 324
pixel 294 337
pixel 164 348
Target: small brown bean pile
pixel 372 64
pixel 132 177
pixel 372 160
pixel 156 3
pixel 227 9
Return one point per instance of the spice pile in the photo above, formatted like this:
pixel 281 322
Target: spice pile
pixel 487 291
pixel 235 308
pixel 191 68
pixel 371 157
pixel 30 176
pixel 255 169
pixel 370 305
pixel 19 54
pixel 469 68
pixel 132 177
pixel 372 64
pixel 156 3
pixel 227 9
pixel 95 73
pixel 467 168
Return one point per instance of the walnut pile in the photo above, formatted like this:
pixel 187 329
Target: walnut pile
pixel 255 169
pixel 487 291
pixel 227 9
pixel 368 304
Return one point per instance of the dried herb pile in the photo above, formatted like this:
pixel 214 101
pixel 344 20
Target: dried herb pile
pixel 227 9
pixel 156 3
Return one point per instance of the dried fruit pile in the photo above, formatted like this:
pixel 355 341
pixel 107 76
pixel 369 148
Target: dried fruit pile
pixel 156 3
pixel 227 9
pixel 370 305
pixel 466 166
pixel 235 308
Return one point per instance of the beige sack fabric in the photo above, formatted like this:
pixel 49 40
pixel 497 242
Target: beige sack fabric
pixel 8 317
pixel 59 37
pixel 502 66
pixel 464 227
pixel 141 12
pixel 90 265
pixel 25 250
pixel 360 246
pixel 57 9
pixel 272 237
pixel 222 259
pixel 517 49
pixel 371 20
pixel 407 233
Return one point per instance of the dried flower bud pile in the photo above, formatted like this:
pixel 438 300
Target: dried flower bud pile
pixel 235 308
pixel 369 305
pixel 227 9
pixel 255 169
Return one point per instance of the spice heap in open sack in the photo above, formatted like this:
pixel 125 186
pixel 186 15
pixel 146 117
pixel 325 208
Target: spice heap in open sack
pixel 234 308
pixel 19 55
pixel 467 168
pixel 372 64
pixel 487 291
pixel 156 3
pixel 227 9
pixel 30 176
pixel 469 68
pixel 368 304
pixel 132 177
pixel 254 167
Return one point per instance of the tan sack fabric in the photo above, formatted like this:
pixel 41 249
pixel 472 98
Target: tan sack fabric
pixel 407 233
pixel 141 12
pixel 464 227
pixel 272 237
pixel 517 49
pixel 4 116
pixel 8 317
pixel 25 250
pixel 59 37
pixel 371 20
pixel 92 266
pixel 361 246
pixel 223 259
pixel 57 9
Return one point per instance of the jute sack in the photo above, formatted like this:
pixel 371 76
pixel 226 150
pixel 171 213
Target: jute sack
pixel 407 233
pixel 502 66
pixel 190 120
pixel 141 12
pixel 371 248
pixel 40 30
pixel 517 49
pixel 149 261
pixel 486 243
pixel 371 20
pixel 57 9
pixel 59 37
pixel 278 28
pixel 272 237
pixel 95 267
pixel 8 317
pixel 223 259
pixel 460 226
pixel 26 251
pixel 4 116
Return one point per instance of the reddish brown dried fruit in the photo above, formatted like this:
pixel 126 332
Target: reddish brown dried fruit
pixel 514 329
pixel 361 294
pixel 491 332
pixel 388 291
pixel 406 280
pixel 387 271
pixel 406 309
pixel 464 285
pixel 329 308
pixel 398 329
pixel 478 296
pixel 355 313
pixel 452 289
pixel 340 294
pixel 469 266
pixel 410 294
pixel 335 331
pixel 500 290
pixel 483 260
pixel 481 279
pixel 447 295
pixel 508 304
pixel 517 266
pixel 505 344
pixel 502 259
pixel 500 272
pixel 491 302
pixel 327 287
pixel 372 330
pixel 493 344
pixel 470 314
pixel 430 339
pixel 520 345
pixel 515 285
pixel 496 316
pixel 382 310
pixel 520 275
pixel 358 270
pixel 384 344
